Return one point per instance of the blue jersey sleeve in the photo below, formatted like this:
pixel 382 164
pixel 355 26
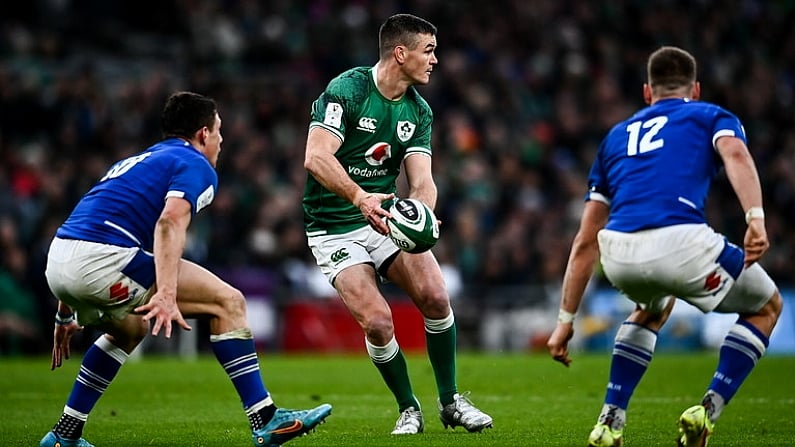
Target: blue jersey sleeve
pixel 194 180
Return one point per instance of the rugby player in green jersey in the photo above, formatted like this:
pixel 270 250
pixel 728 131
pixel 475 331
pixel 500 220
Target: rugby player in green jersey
pixel 366 124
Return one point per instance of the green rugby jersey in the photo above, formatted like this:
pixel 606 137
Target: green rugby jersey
pixel 376 134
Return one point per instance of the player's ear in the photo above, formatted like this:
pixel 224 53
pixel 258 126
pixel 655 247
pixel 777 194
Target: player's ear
pixel 696 94
pixel 646 93
pixel 400 54
pixel 202 134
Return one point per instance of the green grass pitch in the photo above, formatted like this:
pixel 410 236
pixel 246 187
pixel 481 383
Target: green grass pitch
pixel 159 401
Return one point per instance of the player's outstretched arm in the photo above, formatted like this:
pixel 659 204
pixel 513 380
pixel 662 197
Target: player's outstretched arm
pixel 582 258
pixel 742 174
pixel 169 244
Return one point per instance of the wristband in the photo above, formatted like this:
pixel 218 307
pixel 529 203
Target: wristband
pixel 64 320
pixel 565 316
pixel 755 212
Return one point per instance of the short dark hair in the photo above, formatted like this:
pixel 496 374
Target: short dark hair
pixel 185 113
pixel 671 68
pixel 402 29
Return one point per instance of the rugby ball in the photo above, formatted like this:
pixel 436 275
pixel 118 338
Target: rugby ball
pixel 413 227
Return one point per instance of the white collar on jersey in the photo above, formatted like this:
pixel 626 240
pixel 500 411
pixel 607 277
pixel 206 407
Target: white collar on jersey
pixel 375 74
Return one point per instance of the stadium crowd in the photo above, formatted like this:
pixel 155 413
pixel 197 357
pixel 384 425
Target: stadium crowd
pixel 523 93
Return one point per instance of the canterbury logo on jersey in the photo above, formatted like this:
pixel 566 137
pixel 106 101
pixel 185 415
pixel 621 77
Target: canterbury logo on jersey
pixel 367 124
pixel 339 255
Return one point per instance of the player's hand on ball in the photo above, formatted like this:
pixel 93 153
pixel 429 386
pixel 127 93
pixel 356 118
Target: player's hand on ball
pixel 413 226
pixel 370 206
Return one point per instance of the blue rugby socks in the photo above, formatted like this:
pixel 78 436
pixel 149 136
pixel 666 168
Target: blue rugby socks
pixel 742 348
pixel 100 365
pixel 236 353
pixel 632 352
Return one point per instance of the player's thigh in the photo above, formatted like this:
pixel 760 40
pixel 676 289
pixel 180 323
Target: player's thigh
pixel 420 276
pixel 358 288
pixel 202 292
pixel 752 290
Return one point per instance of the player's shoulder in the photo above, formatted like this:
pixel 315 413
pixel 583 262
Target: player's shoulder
pixel 695 109
pixel 413 95
pixel 706 107
pixel 352 83
pixel 175 152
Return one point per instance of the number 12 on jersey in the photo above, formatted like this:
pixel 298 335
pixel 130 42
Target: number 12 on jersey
pixel 642 135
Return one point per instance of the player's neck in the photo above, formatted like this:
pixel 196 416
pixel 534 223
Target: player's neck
pixel 388 81
pixel 657 99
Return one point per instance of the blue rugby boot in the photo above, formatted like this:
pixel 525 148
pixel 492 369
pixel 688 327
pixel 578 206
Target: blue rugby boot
pixel 51 439
pixel 288 424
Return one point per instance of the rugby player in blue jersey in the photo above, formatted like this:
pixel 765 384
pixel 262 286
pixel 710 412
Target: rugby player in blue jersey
pixel 116 265
pixel 644 216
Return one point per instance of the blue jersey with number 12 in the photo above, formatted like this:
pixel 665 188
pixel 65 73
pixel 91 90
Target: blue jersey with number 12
pixel 123 207
pixel 655 169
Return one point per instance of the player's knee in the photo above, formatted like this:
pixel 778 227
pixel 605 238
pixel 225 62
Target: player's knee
pixel 231 305
pixel 772 309
pixel 139 333
pixel 128 335
pixel 378 326
pixel 435 303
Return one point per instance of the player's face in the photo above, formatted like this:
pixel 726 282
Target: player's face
pixel 421 59
pixel 213 140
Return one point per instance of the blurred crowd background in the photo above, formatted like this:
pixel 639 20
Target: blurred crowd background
pixel 522 95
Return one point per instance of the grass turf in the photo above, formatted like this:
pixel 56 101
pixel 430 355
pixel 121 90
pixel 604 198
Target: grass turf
pixel 160 401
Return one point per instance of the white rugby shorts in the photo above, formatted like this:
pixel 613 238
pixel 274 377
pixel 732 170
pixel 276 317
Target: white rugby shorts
pixel 96 280
pixel 691 262
pixel 336 252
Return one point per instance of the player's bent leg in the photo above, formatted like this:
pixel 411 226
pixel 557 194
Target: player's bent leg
pixel 288 424
pixel 421 278
pixel 358 290
pixel 99 367
pixel 633 350
pixel 201 293
pixel 743 347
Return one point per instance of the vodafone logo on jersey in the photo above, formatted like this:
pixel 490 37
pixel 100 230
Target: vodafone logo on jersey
pixel 378 154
